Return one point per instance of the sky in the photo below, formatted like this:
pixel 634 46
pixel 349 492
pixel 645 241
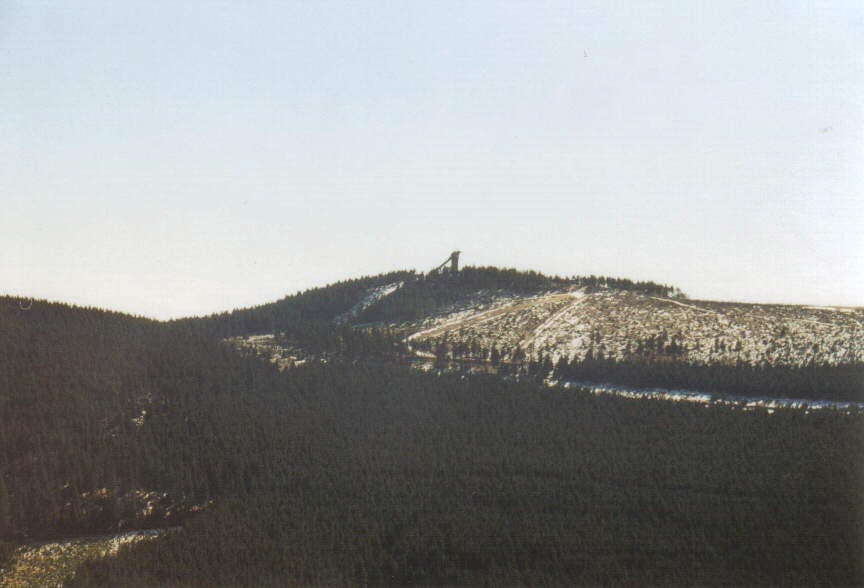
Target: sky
pixel 181 158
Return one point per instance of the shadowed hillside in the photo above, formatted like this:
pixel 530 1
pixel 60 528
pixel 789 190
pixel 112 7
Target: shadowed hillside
pixel 407 478
pixel 108 420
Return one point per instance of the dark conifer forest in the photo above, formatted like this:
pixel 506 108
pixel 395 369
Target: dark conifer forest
pixel 348 471
pixel 308 314
pixel 843 382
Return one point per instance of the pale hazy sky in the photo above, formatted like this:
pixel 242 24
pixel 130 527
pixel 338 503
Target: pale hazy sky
pixel 174 158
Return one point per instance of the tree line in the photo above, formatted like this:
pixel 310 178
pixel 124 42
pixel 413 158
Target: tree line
pixel 656 369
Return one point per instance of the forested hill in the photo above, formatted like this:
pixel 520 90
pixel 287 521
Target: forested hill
pixel 106 418
pixel 397 296
pixel 345 473
pixel 313 308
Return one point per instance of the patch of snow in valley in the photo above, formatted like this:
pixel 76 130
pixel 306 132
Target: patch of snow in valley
pixel 53 563
pixel 267 346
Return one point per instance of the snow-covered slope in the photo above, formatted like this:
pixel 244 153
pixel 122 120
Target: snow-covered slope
pixel 621 325
pixel 372 296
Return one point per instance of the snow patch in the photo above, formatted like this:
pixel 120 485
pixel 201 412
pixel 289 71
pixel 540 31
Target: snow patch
pixel 372 296
pixel 747 403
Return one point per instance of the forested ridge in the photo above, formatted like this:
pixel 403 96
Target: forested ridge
pixel 307 319
pixel 306 314
pixel 310 314
pixel 367 472
pixel 97 406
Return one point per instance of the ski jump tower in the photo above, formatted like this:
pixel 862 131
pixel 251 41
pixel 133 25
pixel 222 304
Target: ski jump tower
pixel 453 260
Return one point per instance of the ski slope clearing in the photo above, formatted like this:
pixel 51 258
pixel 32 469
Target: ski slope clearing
pixel 372 296
pixel 527 309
